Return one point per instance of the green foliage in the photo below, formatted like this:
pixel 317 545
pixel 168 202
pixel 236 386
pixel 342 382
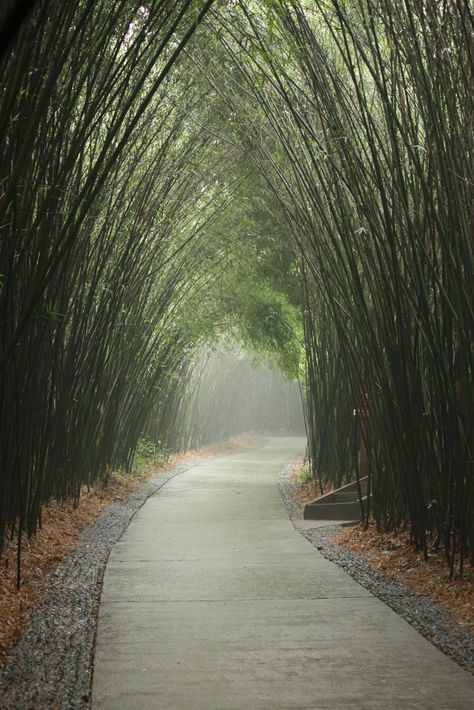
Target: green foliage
pixel 297 182
pixel 95 204
pixel 304 475
pixel 149 453
pixel 255 294
pixel 365 131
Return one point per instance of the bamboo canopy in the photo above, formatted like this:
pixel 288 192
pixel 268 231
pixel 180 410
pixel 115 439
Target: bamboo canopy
pixel 295 176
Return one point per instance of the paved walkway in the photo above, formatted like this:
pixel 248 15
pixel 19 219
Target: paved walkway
pixel 212 601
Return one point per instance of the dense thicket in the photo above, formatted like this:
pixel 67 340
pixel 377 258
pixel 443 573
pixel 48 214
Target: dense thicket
pixel 365 132
pixel 115 263
pixel 95 192
pixel 296 174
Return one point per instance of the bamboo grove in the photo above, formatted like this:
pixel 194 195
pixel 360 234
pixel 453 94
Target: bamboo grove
pixel 94 230
pixel 293 175
pixel 366 137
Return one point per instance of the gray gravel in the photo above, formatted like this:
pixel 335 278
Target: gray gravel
pixel 430 620
pixel 50 666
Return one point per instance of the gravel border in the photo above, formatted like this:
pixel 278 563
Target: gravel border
pixel 50 666
pixel 429 619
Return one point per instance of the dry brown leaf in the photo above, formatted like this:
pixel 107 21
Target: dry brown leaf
pixel 394 555
pixel 61 527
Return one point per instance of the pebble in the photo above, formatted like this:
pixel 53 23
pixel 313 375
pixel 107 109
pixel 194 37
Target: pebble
pixel 51 665
pixel 428 618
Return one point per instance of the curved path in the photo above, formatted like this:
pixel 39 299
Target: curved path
pixel 213 601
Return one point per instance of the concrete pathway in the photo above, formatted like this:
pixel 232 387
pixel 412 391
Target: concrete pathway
pixel 212 601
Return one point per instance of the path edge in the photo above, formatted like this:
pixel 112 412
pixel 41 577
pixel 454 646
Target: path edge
pixel 51 664
pixel 428 618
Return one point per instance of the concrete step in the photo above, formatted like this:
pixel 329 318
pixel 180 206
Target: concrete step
pixel 333 511
pixel 342 504
pixel 344 497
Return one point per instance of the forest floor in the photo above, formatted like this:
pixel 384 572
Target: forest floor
pixel 62 525
pixel 393 555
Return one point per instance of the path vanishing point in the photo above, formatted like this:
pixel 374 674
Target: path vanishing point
pixel 213 601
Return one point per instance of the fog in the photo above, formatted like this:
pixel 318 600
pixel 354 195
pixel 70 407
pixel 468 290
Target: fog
pixel 230 396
